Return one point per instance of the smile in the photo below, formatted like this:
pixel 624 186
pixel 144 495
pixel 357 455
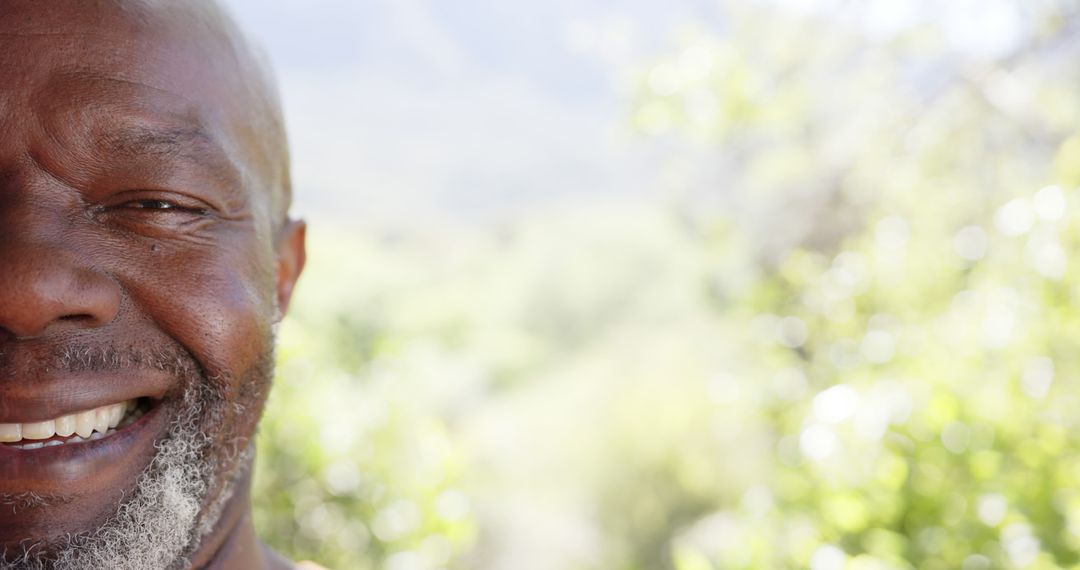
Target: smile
pixel 79 427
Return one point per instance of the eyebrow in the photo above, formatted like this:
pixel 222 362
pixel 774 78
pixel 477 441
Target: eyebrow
pixel 157 140
pixel 189 143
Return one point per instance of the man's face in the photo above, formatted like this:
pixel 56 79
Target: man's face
pixel 142 264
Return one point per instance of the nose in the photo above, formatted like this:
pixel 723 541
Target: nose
pixel 48 285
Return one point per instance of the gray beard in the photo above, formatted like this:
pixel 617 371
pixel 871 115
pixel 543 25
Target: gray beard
pixel 162 523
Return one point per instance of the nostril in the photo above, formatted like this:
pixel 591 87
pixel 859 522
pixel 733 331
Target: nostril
pixel 77 319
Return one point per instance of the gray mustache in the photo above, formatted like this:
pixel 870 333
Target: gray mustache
pixel 81 358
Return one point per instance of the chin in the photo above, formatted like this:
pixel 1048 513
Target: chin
pixel 139 497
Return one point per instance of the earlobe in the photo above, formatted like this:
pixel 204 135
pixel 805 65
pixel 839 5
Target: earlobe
pixel 291 256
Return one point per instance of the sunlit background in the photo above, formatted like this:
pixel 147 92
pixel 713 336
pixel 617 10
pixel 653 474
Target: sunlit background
pixel 680 285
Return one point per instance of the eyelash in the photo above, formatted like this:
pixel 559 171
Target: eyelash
pixel 163 205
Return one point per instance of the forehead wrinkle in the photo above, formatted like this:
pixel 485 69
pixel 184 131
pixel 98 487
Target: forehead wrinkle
pixel 166 140
pixel 124 82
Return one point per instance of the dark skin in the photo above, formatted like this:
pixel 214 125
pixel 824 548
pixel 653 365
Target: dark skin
pixel 142 204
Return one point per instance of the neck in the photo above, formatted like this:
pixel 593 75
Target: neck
pixel 232 542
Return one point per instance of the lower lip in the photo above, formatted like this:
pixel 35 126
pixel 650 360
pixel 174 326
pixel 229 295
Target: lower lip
pixel 76 468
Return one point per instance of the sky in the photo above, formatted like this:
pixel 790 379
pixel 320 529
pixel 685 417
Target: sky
pixel 405 114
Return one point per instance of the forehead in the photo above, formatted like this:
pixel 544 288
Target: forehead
pixel 121 74
pixel 171 50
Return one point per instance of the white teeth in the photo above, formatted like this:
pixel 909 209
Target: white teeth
pixel 89 425
pixel 10 433
pixel 65 426
pixel 39 430
pixel 104 414
pixel 84 423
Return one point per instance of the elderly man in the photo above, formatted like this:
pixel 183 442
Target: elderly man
pixel 145 255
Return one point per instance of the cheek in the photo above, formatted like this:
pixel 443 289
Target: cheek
pixel 216 302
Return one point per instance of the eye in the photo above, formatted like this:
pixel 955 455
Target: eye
pixel 156 204
pixel 151 205
pixel 154 212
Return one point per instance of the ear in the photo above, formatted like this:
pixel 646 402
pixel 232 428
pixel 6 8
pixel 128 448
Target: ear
pixel 291 255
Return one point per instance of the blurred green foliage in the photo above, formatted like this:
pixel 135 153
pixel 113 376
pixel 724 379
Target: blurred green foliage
pixel 846 338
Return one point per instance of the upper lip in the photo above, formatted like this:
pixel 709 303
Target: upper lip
pixel 49 398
